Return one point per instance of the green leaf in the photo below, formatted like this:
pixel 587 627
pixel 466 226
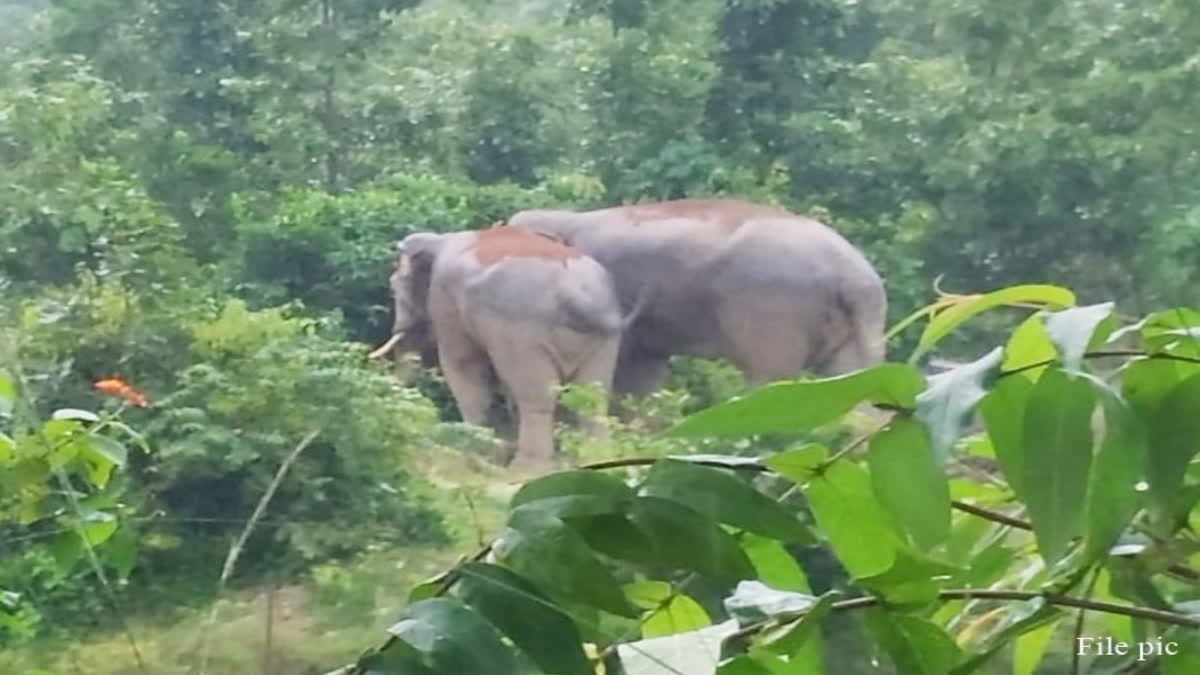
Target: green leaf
pixel 861 533
pixel 805 404
pixel 120 551
pixel 67 549
pixel 453 639
pixel 397 658
pixel 683 539
pixel 946 321
pixel 947 403
pixel 574 493
pixel 792 638
pixel 7 449
pixel 1173 439
pixel 75 414
pixel 101 455
pixel 797 465
pixel 1029 648
pixel 1003 411
pixel 774 565
pixel 541 630
pixel 554 557
pixel 617 537
pixel 909 482
pixel 1017 619
pixel 1146 383
pixel 1186 660
pixel 669 612
pixel 8 393
pixel 724 498
pixel 1029 345
pixel 911 580
pixel 1056 459
pixel 916 646
pixel 1076 329
pixel 754 601
pixel 1112 498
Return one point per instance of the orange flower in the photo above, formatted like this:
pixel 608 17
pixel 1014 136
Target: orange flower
pixel 115 386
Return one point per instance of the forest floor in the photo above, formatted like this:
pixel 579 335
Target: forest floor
pixel 310 627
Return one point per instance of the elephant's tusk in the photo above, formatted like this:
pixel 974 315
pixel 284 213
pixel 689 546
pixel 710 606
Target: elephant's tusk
pixel 387 346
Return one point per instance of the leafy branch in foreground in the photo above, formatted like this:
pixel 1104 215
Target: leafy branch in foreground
pixel 1100 463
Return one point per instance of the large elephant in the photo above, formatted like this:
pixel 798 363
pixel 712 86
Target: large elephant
pixel 775 293
pixel 507 301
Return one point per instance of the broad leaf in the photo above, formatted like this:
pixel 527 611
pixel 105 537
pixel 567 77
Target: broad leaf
pixel 774 565
pixel 909 482
pixel 8 393
pixel 617 537
pixel 75 414
pixel 574 493
pixel 945 322
pixel 669 611
pixel 987 635
pixel 1029 346
pixel 805 404
pixel 7 449
pixel 948 402
pixel 453 639
pixel 911 580
pixel 544 550
pixel 793 638
pixel 683 539
pixel 916 646
pixel 527 617
pixel 397 658
pixel 724 498
pixel 1173 439
pixel 1029 648
pixel 1003 411
pixel 1056 459
pixel 1112 489
pixel 797 465
pixel 1076 329
pixel 861 533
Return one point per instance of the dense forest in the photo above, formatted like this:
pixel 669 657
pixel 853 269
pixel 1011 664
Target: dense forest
pixel 200 201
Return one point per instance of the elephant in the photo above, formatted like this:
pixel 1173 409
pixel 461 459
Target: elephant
pixel 776 294
pixel 510 303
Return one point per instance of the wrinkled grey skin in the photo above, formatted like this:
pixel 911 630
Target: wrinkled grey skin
pixel 535 322
pixel 774 293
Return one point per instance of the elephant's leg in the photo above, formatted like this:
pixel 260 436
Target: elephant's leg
pixel 528 371
pixel 637 375
pixel 598 369
pixel 466 370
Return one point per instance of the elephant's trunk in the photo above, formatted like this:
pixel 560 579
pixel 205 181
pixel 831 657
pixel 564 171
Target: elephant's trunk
pixel 387 346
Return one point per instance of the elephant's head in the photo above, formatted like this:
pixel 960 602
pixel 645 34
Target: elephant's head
pixel 409 283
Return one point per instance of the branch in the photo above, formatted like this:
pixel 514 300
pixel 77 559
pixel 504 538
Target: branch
pixel 992 594
pixel 1107 354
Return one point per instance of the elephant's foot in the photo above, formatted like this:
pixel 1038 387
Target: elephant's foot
pixel 525 468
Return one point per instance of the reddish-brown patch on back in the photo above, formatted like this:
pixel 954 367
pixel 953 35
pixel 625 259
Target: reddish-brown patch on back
pixel 728 213
pixel 509 241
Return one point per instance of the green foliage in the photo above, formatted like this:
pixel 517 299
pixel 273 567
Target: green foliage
pixel 580 545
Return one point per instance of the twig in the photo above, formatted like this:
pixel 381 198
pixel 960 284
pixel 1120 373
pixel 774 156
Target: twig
pixel 991 594
pixel 236 549
pixel 1075 653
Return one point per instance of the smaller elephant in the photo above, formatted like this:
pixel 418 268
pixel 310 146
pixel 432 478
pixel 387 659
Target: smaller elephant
pixel 507 300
